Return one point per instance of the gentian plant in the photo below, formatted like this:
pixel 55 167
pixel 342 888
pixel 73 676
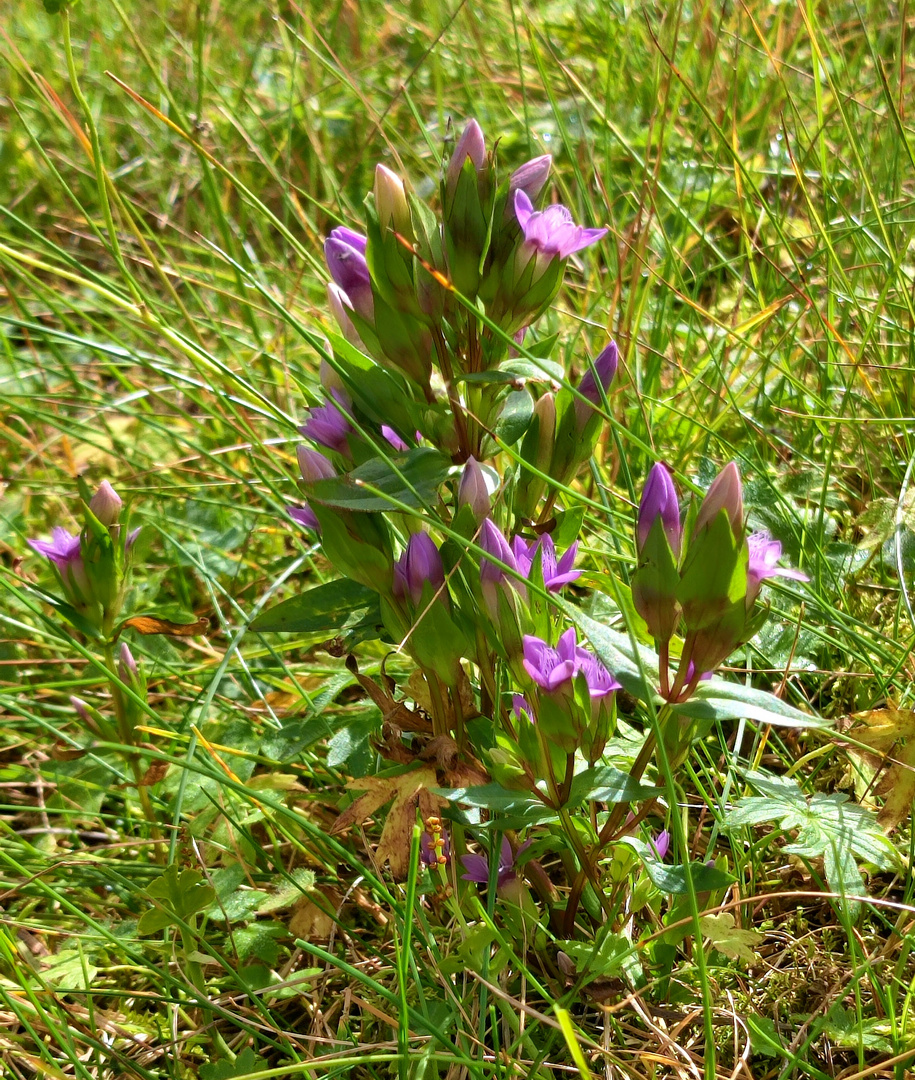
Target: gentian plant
pixel 437 475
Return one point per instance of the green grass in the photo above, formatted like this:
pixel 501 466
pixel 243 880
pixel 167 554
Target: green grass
pixel 159 307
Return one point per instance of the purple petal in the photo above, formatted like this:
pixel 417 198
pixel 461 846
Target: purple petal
pixel 304 516
pixel 476 867
pixel 393 438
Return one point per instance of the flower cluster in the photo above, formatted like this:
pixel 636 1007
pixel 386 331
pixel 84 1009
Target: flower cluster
pixel 91 565
pixel 708 580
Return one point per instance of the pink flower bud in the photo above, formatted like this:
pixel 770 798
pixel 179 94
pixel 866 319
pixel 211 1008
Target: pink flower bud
pixel 473 491
pixel 419 564
pixel 470 145
pixel 106 504
pixel 725 494
pixel 659 500
pixel 530 178
pixel 391 202
pixel 313 466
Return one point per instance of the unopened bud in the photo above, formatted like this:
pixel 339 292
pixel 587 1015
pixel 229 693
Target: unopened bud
pixel 313 465
pixel 530 178
pixel 106 504
pixel 725 494
pixel 473 490
pixel 391 202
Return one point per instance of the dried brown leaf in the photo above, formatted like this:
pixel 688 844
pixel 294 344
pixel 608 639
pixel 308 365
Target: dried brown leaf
pixel 890 734
pixel 149 624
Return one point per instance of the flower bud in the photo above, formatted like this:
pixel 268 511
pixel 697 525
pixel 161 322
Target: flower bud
pixel 127 666
pixel 601 375
pixel 391 202
pixel 313 465
pixel 350 271
pixel 328 425
pixel 473 490
pixel 470 145
pixel 659 500
pixel 82 710
pixel 725 494
pixel 530 178
pixel 106 504
pixel 419 564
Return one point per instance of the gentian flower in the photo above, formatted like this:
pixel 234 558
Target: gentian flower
pixel 764 555
pixel 313 465
pixel 63 550
pixel 420 563
pixel 530 178
pixel 340 306
pixel 304 516
pixel 393 438
pixel 659 500
pixel 106 504
pixel 551 232
pixel 391 202
pixel 725 493
pixel 344 253
pixel 604 369
pixel 471 145
pixel 473 490
pixel 493 577
pixel 551 668
pixel 555 574
pixel 328 425
pixel 477 866
pixel 661 844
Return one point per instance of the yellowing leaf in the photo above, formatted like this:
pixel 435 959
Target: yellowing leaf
pixel 729 939
pixel 408 790
pixel 890 733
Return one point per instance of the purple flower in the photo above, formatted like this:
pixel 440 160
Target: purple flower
pixel 659 500
pixel 419 564
pixel 470 145
pixel 106 504
pixel 473 490
pixel 393 438
pixel 313 465
pixel 344 253
pixel 764 555
pixel 304 516
pixel 530 177
pixel 328 425
pixel 552 668
pixel 127 666
pixel 661 844
pixel 604 369
pixel 477 866
pixel 725 493
pixel 492 576
pixel 555 574
pixel 551 232
pixel 63 550
pixel 520 706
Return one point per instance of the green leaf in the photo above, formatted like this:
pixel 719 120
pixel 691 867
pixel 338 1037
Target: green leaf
pixel 673 880
pixel 829 826
pixel 379 485
pixel 606 784
pixel 337 607
pixel 183 893
pixel 515 417
pixel 731 940
pixel 246 1062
